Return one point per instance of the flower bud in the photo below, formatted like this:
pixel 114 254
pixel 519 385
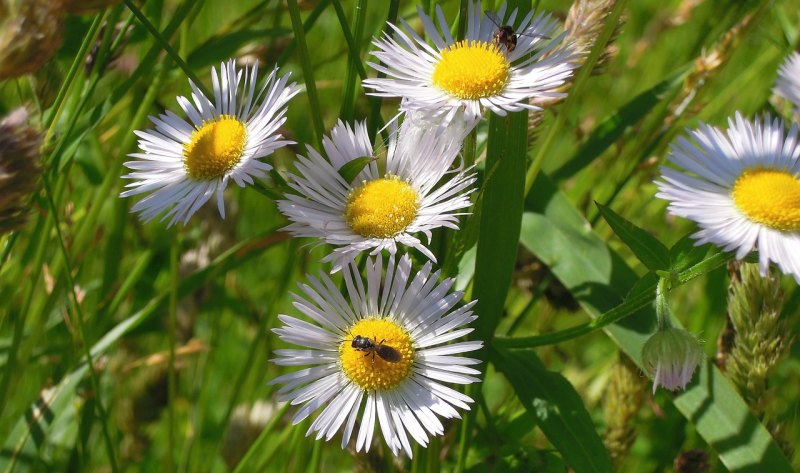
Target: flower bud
pixel 30 33
pixel 671 356
pixel 19 168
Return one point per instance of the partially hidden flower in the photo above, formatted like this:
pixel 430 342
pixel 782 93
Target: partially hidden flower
pixel 380 355
pixel 788 83
pixel 500 65
pixel 19 168
pixel 742 187
pixel 184 164
pixel 670 356
pixel 383 206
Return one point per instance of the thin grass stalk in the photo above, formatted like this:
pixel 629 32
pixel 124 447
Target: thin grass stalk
pixel 50 120
pixel 356 65
pixel 172 328
pixel 39 246
pixel 628 307
pixel 347 110
pixel 101 411
pixel 582 76
pixel 308 72
pixel 315 461
pixel 262 442
pixel 164 43
pixel 311 19
pixel 375 103
pixel 89 223
pixel 676 111
pixel 263 326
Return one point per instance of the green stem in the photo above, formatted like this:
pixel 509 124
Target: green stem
pixel 375 102
pixel 261 334
pixel 307 25
pixel 88 224
pixel 38 246
pixel 308 72
pixel 101 412
pixel 581 77
pixel 630 306
pixel 172 339
pixel 347 111
pixel 166 46
pixel 51 119
pixel 662 308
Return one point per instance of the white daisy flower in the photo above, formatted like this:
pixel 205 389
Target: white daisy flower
pixel 380 208
pixel 491 68
pixel 184 163
pixel 742 187
pixel 381 357
pixel 788 83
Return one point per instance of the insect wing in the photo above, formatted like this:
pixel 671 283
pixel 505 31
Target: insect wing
pixel 533 35
pixel 388 353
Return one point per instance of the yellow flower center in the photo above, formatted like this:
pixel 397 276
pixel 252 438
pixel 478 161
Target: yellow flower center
pixel 769 197
pixel 381 208
pixel 472 70
pixel 387 359
pixel 215 148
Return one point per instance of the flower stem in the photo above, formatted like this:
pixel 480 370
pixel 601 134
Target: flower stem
pixel 662 307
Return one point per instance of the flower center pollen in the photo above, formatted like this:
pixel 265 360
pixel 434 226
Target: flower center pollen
pixel 369 368
pixel 382 208
pixel 215 149
pixel 472 70
pixel 769 197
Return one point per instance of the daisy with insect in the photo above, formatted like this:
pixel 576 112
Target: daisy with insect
pixel 742 187
pixel 184 164
pixel 382 206
pixel 413 316
pixel 500 65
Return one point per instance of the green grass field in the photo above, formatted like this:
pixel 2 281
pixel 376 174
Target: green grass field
pixel 177 321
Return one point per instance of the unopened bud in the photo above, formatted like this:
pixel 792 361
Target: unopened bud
pixel 671 355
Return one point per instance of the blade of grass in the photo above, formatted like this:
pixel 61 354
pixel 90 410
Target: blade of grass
pixel 308 73
pixel 265 444
pixel 84 341
pixel 375 102
pixel 261 334
pixel 172 328
pixel 582 76
pixel 164 43
pixel 347 110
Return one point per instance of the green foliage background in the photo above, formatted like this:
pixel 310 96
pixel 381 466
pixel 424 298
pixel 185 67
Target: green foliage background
pixel 213 288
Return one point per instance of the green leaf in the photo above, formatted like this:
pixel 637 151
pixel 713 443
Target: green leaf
pixel 557 409
pixel 711 403
pixel 500 218
pixel 645 246
pixel 620 122
pixel 685 253
pixel 33 429
pixel 350 170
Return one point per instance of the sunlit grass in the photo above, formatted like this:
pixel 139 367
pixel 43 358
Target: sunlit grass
pixel 177 321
